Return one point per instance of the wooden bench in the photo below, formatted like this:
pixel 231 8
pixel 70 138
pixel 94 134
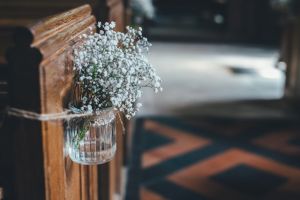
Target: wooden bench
pixel 32 162
pixel 15 13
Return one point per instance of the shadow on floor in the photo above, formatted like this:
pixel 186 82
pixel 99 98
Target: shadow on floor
pixel 258 109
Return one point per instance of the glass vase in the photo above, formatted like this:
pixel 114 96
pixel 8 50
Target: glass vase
pixel 91 140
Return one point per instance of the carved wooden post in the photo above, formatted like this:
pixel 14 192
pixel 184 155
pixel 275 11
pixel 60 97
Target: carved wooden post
pixel 40 75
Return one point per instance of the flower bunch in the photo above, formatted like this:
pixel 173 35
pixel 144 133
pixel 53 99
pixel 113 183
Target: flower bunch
pixel 111 68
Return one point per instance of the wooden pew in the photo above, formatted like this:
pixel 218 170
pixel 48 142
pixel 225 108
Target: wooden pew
pixel 40 76
pixel 15 13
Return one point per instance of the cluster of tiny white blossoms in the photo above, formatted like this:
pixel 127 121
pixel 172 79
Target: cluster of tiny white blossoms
pixel 112 68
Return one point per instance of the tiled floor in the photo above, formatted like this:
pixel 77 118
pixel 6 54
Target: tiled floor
pixel 196 162
pixel 218 131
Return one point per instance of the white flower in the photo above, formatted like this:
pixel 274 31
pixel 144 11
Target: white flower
pixel 111 68
pixel 94 60
pixel 123 70
pixel 105 73
pixel 112 25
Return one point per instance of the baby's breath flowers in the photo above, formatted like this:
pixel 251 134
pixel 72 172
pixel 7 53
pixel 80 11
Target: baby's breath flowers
pixel 111 68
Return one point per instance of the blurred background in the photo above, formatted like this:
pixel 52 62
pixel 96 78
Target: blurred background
pixel 215 51
pixel 226 126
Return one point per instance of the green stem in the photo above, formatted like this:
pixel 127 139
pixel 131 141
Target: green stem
pixel 81 134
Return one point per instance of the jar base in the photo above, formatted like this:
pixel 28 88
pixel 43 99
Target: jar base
pixel 93 158
pixel 92 163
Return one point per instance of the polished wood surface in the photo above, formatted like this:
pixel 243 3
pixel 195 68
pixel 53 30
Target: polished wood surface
pixel 34 165
pixel 19 13
pixel 40 76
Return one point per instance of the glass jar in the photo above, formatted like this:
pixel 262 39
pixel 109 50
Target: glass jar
pixel 91 140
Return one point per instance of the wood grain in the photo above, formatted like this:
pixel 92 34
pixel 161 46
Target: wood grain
pixel 40 77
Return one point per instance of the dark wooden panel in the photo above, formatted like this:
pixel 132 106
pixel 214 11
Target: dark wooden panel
pixel 117 13
pixel 40 76
pixel 40 68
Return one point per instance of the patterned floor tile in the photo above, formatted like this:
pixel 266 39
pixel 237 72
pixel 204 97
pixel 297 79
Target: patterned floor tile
pixel 173 191
pixel 209 159
pixel 182 142
pixel 149 195
pixel 250 181
pixel 283 141
pixel 154 140
pixel 200 177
